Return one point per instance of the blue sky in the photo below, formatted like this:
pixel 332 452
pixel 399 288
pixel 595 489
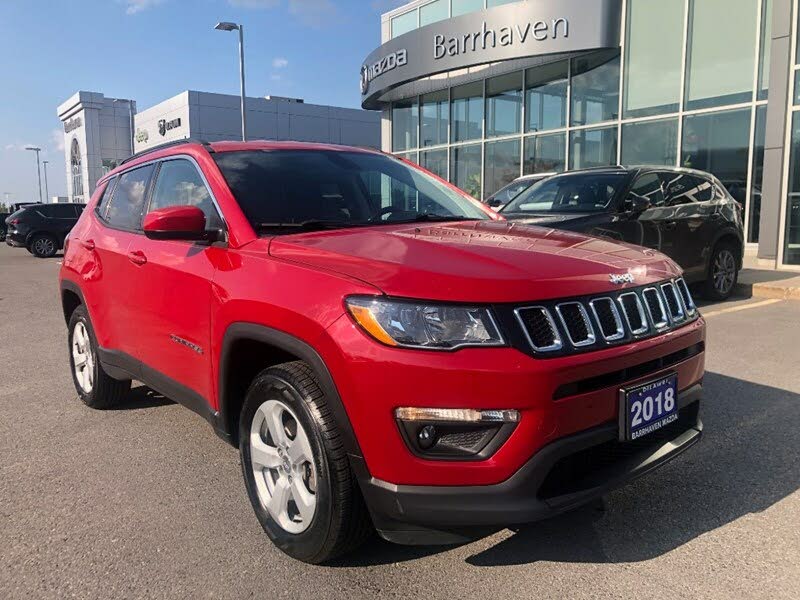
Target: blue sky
pixel 150 50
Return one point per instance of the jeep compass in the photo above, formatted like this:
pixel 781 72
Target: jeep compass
pixel 385 352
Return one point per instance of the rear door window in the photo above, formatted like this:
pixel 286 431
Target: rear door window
pixel 683 188
pixel 128 201
pixel 649 187
pixel 102 206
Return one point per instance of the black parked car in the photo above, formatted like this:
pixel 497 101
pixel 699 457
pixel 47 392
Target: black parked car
pixel 508 192
pixel 3 226
pixel 41 228
pixel 688 215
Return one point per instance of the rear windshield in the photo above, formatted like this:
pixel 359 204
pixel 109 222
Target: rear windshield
pixel 285 191
pixel 570 193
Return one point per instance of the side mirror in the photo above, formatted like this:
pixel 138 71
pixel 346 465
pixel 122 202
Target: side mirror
pixel 637 204
pixel 494 202
pixel 176 223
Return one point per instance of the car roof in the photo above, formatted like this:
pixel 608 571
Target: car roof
pixel 635 170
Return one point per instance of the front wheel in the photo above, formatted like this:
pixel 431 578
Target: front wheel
pixel 724 272
pixel 295 469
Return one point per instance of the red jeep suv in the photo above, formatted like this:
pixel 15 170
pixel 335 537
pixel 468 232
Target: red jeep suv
pixel 384 351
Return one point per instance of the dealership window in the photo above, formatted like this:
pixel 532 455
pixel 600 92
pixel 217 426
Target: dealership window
pixel 405 116
pixel 404 23
pixel 721 52
pixel 501 164
pixel 545 154
pixel 758 174
pixel 462 7
pixel 546 96
pixel 434 112
pixel 466 112
pixel 653 62
pixel 650 143
pixel 765 52
pixel 465 169
pixel 593 148
pixel 797 87
pixel 493 3
pixel 435 161
pixel 595 88
pixel 719 143
pixel 76 167
pixel 438 10
pixel 791 242
pixel 504 105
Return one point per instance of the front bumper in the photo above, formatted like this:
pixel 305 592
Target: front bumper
pixel 563 475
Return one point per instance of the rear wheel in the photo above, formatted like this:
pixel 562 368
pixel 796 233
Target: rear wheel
pixel 723 273
pixel 95 387
pixel 43 246
pixel 295 469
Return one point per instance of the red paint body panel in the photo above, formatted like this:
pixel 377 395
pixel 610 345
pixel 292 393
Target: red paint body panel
pixel 297 284
pixel 174 218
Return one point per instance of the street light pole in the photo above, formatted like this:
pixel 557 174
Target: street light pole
pixel 46 188
pixel 38 168
pixel 227 26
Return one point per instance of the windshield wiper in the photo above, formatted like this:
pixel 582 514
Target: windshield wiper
pixel 310 225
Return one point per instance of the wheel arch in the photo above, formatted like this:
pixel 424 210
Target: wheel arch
pixel 728 236
pixel 32 234
pixel 249 348
pixel 71 298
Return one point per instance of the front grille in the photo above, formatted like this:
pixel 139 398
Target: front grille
pixel 559 327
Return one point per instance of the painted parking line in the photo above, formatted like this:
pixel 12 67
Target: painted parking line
pixel 732 309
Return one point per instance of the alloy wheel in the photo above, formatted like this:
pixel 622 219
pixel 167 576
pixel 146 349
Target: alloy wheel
pixel 283 466
pixel 44 246
pixel 724 272
pixel 82 357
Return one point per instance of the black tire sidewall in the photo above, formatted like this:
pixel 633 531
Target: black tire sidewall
pixel 311 542
pixel 80 315
pixel 47 237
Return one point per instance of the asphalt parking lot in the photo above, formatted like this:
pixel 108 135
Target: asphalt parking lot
pixel 146 502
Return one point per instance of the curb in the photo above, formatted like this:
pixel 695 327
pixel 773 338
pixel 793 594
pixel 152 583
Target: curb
pixel 766 290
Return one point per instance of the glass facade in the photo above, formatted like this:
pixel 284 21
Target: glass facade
pixel 437 10
pixel 688 87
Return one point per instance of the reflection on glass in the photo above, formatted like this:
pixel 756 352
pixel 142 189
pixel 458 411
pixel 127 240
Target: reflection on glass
pixel 719 143
pixel 758 174
pixel 466 112
pixel 595 87
pixel 462 7
pixel 501 164
pixel 465 169
pixel 503 105
pixel 435 161
pixel 593 148
pixel 721 53
pixel 493 3
pixel 650 143
pixel 545 153
pixel 435 11
pixel 653 62
pixel 791 244
pixel 766 47
pixel 546 96
pixel 405 116
pixel 404 23
pixel 434 113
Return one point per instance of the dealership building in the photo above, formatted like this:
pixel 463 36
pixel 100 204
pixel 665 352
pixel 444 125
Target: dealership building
pixel 100 132
pixel 483 91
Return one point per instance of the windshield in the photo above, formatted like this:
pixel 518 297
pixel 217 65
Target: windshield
pixel 512 190
pixel 285 191
pixel 581 192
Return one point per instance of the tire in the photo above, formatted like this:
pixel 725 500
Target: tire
pixel 100 391
pixel 43 246
pixel 339 521
pixel 723 272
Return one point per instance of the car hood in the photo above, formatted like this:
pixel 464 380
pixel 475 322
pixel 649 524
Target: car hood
pixel 485 261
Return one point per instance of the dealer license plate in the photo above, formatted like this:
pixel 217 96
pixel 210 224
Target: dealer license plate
pixel 649 407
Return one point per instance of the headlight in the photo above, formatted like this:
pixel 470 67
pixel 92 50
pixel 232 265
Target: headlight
pixel 418 325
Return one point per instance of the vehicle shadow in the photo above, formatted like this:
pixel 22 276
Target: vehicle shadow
pixel 141 397
pixel 748 459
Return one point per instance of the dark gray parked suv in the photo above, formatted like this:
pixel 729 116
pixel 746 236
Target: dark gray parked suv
pixel 42 228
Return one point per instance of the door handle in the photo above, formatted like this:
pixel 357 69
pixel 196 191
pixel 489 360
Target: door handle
pixel 88 244
pixel 137 257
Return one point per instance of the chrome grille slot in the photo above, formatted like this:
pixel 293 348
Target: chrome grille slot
pixel 673 302
pixel 576 322
pixel 634 313
pixel 655 308
pixel 539 328
pixel 686 296
pixel 608 318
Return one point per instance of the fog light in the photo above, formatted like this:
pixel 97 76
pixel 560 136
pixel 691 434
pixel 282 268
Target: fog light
pixel 427 437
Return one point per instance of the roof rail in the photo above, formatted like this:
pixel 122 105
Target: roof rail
pixel 206 144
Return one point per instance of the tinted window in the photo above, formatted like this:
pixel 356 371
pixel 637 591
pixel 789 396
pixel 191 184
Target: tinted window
pixel 276 189
pixel 102 206
pixel 127 203
pixel 179 184
pixel 59 211
pixel 649 187
pixel 685 189
pixel 512 190
pixel 584 192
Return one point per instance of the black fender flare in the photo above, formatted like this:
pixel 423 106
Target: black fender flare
pixel 59 240
pixel 70 286
pixel 728 232
pixel 297 347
